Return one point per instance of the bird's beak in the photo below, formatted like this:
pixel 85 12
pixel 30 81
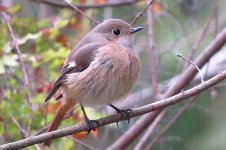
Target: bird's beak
pixel 134 30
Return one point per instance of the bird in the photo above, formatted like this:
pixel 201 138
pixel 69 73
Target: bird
pixel 101 69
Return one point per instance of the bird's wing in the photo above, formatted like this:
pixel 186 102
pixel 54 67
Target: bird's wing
pixel 77 61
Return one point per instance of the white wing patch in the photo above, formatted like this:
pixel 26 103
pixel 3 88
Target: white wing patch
pixel 71 64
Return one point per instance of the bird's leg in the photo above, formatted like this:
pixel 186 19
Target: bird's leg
pixel 122 112
pixel 88 121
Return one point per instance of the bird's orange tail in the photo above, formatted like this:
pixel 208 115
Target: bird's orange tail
pixel 68 105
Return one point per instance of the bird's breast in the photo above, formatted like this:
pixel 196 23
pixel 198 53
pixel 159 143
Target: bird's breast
pixel 110 76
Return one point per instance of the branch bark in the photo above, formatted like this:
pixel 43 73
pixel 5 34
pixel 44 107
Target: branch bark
pixel 24 69
pixel 82 13
pixel 86 6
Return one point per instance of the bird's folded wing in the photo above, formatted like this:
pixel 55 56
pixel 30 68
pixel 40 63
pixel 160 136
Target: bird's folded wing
pixel 77 61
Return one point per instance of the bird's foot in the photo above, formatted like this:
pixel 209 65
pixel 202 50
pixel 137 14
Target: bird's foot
pixel 90 124
pixel 122 113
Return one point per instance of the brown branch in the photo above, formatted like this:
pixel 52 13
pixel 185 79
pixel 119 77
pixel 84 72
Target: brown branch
pixel 154 79
pixel 24 133
pixel 87 6
pixel 141 13
pixel 116 118
pixel 21 129
pixel 25 72
pixel 82 13
pixel 186 77
pixel 152 48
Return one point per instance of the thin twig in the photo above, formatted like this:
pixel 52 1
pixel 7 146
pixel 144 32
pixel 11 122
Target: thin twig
pixel 154 79
pixel 87 6
pixel 201 75
pixel 82 13
pixel 140 13
pixel 118 117
pixel 25 134
pixel 25 72
pixel 82 143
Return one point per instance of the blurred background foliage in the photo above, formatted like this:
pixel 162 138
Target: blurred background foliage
pixel 47 33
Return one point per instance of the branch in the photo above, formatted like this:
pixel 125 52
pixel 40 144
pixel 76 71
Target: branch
pixel 154 79
pixel 141 13
pixel 82 13
pixel 25 72
pixel 116 118
pixel 152 49
pixel 86 6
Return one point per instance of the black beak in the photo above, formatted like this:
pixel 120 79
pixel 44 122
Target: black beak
pixel 134 30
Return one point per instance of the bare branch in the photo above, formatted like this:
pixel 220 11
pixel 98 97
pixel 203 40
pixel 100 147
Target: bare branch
pixel 141 13
pixel 116 118
pixel 153 57
pixel 78 10
pixel 25 72
pixel 24 133
pixel 154 79
pixel 87 6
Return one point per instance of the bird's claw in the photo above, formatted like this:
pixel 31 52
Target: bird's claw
pixel 126 112
pixel 90 125
pixel 122 112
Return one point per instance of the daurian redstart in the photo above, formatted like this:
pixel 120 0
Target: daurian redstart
pixel 102 68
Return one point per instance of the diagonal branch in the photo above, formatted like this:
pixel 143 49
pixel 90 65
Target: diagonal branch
pixel 87 6
pixel 153 53
pixel 141 13
pixel 115 118
pixel 82 13
pixel 25 72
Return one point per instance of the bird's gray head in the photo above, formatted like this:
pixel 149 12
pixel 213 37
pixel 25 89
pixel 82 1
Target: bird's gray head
pixel 115 30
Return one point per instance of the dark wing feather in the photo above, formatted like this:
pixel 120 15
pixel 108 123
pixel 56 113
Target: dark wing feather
pixel 60 80
pixel 59 97
pixel 82 57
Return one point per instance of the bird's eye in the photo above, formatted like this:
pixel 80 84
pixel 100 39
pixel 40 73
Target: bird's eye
pixel 116 32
